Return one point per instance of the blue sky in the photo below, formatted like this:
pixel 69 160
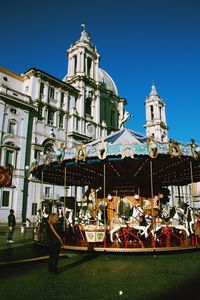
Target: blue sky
pixel 138 40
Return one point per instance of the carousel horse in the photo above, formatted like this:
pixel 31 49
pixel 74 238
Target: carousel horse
pixel 178 221
pixel 135 220
pixel 87 217
pixel 116 224
pixel 190 214
pixel 69 218
pixel 99 217
pixel 81 215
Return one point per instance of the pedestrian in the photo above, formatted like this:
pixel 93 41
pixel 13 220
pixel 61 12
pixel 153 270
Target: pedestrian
pixel 55 242
pixel 11 226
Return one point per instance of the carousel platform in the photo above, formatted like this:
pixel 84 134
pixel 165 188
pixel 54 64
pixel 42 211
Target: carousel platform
pixel 94 249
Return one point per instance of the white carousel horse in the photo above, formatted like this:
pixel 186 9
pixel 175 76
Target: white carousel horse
pixel 116 224
pixel 134 220
pixel 81 214
pixel 179 218
pixel 99 217
pixel 190 214
pixel 69 219
pixel 87 217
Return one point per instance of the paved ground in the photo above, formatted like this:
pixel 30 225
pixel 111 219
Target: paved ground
pixel 23 247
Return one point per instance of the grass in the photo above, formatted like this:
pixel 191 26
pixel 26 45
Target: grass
pixel 89 276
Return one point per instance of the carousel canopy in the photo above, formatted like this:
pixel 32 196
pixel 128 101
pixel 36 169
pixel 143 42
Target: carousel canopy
pixel 124 159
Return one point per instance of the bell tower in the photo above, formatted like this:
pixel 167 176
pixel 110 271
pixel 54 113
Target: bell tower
pixel 155 116
pixel 83 59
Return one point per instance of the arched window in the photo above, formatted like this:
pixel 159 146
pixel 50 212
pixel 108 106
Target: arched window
pixel 88 106
pixel 75 63
pixel 89 66
pixel 152 112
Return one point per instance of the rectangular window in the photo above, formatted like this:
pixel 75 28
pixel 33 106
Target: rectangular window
pixel 152 112
pixel 62 99
pixel 51 117
pixel 47 192
pixel 61 121
pixel 40 111
pixel 34 209
pixel 5 199
pixel 112 118
pixel 9 157
pixel 41 89
pixel 11 127
pixel 51 93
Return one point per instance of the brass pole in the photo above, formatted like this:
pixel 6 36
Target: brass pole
pixel 151 175
pixel 65 196
pixel 191 174
pixel 104 195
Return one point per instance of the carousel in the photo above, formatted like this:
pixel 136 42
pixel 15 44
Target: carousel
pixel 126 207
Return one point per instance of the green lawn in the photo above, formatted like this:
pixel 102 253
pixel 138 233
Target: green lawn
pixel 103 276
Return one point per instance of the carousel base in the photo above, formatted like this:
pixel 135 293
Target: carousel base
pixel 96 249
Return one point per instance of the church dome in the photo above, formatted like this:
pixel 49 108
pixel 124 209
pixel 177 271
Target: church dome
pixel 107 81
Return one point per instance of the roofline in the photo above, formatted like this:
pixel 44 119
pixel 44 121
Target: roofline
pixel 11 73
pixel 52 77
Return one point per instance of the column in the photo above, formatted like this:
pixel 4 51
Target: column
pixel 97 108
pixel 163 114
pixel 96 70
pixel 92 70
pixel 79 62
pixel 46 88
pixel 59 98
pixel 65 103
pixel 156 111
pixel 70 66
pixel 82 101
pixel 37 93
pixel 82 62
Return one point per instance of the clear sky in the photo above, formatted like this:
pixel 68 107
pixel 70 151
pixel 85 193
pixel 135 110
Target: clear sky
pixel 139 41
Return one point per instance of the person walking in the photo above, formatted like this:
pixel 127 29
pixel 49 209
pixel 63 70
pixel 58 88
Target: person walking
pixel 55 242
pixel 11 226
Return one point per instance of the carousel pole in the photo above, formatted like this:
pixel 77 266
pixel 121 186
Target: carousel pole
pixel 151 175
pixel 35 210
pixel 41 190
pixel 191 174
pixel 104 196
pixel 65 196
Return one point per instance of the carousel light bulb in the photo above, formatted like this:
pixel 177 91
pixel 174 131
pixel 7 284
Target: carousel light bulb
pixel 27 168
pixel 109 197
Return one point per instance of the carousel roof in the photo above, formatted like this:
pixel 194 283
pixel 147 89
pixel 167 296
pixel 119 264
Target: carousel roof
pixel 124 159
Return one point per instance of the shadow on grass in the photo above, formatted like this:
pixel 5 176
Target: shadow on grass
pixel 77 263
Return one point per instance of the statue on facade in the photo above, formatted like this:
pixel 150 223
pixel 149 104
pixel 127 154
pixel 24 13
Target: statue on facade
pixel 124 118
